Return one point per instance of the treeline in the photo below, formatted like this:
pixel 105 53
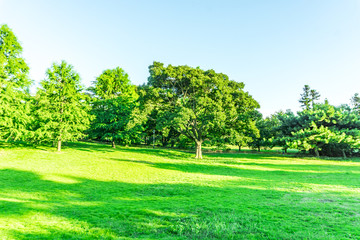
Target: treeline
pixel 320 128
pixel 179 106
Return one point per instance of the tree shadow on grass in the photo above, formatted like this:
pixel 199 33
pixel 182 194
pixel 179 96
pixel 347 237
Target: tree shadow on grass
pixel 285 175
pixel 158 152
pixel 92 209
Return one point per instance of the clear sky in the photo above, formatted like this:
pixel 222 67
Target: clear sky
pixel 274 47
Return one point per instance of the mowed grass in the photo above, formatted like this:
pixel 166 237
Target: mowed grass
pixel 91 191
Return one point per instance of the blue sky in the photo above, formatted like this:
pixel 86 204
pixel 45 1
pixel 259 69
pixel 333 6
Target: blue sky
pixel 274 47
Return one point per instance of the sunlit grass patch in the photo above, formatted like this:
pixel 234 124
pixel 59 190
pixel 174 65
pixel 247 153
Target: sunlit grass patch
pixel 92 191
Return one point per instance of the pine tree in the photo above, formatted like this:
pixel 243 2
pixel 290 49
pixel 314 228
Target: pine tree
pixel 355 102
pixel 309 96
pixel 62 112
pixel 315 95
pixel 305 97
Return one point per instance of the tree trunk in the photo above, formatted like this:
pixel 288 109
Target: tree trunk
pixel 59 145
pixel 198 150
pixel 239 148
pixel 113 144
pixel 344 154
pixel 317 152
pixel 258 148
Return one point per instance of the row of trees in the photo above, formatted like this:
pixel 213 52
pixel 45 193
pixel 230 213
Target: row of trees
pixel 183 106
pixel 179 102
pixel 320 128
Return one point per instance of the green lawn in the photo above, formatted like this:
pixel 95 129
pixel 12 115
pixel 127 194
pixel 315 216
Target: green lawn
pixel 90 191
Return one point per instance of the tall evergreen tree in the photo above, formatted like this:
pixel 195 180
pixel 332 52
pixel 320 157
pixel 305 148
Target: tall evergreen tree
pixel 61 109
pixel 306 97
pixel 315 95
pixel 355 102
pixel 14 87
pixel 309 97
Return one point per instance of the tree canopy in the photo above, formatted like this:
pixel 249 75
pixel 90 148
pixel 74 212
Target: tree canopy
pixel 61 110
pixel 179 106
pixel 198 104
pixel 113 104
pixel 14 87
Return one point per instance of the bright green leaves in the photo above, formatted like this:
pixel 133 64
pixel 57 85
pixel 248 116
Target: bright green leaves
pixel 61 108
pixel 114 108
pixel 323 130
pixel 198 104
pixel 14 88
pixel 113 83
pixel 13 68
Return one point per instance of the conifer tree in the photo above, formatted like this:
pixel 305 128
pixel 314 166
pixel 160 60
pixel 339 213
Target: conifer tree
pixel 62 112
pixel 305 97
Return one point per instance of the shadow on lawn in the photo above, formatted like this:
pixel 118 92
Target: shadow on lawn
pixel 90 209
pixel 169 153
pixel 280 175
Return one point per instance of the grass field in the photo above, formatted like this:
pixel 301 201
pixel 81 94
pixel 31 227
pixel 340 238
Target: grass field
pixel 90 191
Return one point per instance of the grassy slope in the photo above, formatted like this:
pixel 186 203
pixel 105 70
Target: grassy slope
pixel 90 191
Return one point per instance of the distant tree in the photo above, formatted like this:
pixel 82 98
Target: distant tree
pixel 306 97
pixel 315 95
pixel 243 131
pixel 326 130
pixel 267 132
pixel 309 96
pixel 14 88
pixel 355 102
pixel 199 104
pixel 287 123
pixel 61 109
pixel 114 105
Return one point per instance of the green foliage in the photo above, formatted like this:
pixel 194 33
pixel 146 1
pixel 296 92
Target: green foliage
pixel 61 109
pixel 113 83
pixel 115 108
pixel 14 88
pixel 266 132
pixel 198 104
pixel 309 96
pixel 355 102
pixel 323 130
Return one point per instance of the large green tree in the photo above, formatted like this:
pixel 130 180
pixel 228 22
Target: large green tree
pixel 114 107
pixel 198 104
pixel 14 87
pixel 61 109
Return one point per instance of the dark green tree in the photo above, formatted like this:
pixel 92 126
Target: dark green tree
pixel 198 104
pixel 326 130
pixel 355 102
pixel 267 132
pixel 114 107
pixel 61 108
pixel 305 97
pixel 309 96
pixel 315 95
pixel 14 88
pixel 287 123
